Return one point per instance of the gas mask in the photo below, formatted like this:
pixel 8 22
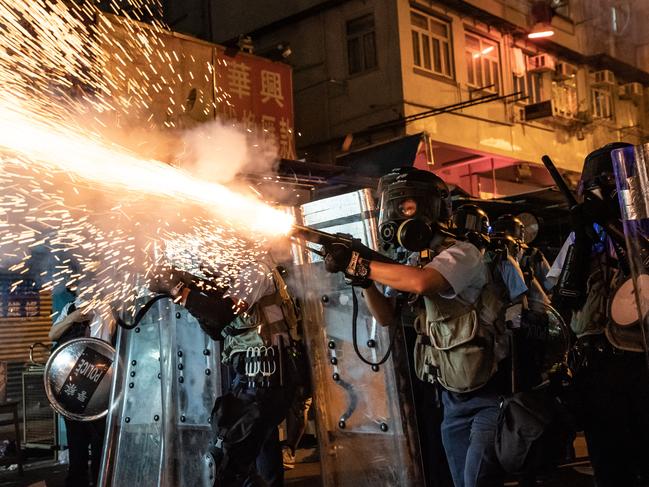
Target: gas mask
pixel 471 223
pixel 414 210
pixel 508 232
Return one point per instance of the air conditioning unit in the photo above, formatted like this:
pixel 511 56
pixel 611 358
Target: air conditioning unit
pixel 547 110
pixel 603 78
pixel 541 63
pixel 539 111
pixel 633 90
pixel 565 71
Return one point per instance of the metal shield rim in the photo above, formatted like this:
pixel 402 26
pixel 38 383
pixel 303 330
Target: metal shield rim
pixel 48 389
pixel 565 329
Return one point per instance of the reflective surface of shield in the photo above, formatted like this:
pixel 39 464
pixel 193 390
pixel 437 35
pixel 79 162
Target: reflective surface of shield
pixel 78 378
pixel 365 416
pixel 631 165
pixel 158 433
pixel 540 344
pixel 623 308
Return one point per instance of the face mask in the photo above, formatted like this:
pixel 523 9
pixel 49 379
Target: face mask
pixel 409 210
pixel 414 235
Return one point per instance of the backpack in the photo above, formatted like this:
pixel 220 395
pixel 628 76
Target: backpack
pixel 533 430
pixel 234 422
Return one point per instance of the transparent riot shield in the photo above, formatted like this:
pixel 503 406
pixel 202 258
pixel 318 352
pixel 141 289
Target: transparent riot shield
pixel 365 416
pixel 629 309
pixel 164 387
pixel 540 345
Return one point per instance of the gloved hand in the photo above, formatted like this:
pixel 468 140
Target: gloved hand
pixel 169 280
pixel 82 316
pixel 591 210
pixel 352 260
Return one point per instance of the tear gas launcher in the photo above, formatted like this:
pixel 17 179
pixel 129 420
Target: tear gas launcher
pixel 328 239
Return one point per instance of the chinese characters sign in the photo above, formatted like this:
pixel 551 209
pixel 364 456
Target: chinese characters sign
pixel 187 82
pixel 257 93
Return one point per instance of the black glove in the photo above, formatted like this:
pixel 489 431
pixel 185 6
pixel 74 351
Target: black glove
pixel 591 210
pixel 352 260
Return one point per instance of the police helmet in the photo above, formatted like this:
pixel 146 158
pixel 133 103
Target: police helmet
pixel 412 202
pixel 428 191
pixel 509 227
pixel 597 174
pixel 391 177
pixel 472 223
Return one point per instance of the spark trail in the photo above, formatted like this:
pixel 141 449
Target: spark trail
pixel 102 214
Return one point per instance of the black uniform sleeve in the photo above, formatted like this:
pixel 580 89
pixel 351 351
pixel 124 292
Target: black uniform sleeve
pixel 213 313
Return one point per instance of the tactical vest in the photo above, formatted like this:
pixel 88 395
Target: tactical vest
pixel 593 317
pixel 460 345
pixel 272 315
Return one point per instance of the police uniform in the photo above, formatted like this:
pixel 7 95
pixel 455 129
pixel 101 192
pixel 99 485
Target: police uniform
pixel 84 434
pixel 262 389
pixel 470 418
pixel 611 378
pixel 533 261
pixel 461 335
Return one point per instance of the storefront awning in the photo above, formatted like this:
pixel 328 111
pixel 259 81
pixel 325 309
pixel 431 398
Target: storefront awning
pixel 378 160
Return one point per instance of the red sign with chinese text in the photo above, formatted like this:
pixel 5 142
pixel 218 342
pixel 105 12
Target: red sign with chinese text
pixel 257 93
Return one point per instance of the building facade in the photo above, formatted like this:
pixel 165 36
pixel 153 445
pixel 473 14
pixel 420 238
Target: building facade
pixel 488 100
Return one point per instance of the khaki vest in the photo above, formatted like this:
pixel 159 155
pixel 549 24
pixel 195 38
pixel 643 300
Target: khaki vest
pixel 272 315
pixel 460 345
pixel 593 317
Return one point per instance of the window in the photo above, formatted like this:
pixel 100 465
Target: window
pixel 602 105
pixel 19 297
pixel 431 44
pixel 563 10
pixel 564 98
pixel 482 63
pixel 361 44
pixel 529 85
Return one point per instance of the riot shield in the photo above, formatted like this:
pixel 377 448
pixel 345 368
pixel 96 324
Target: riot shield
pixel 78 378
pixel 541 343
pixel 164 387
pixel 629 308
pixel 365 416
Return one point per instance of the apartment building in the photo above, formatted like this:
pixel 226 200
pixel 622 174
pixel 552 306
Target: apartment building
pixel 464 88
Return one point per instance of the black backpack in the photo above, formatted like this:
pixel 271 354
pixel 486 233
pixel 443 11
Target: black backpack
pixel 534 428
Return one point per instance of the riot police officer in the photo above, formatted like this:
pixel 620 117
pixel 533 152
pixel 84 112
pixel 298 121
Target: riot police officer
pixel 508 233
pixel 611 377
pixel 471 223
pixel 85 438
pixel 463 338
pixel 256 320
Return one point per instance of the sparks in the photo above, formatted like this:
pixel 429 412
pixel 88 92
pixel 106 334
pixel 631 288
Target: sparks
pixel 104 214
